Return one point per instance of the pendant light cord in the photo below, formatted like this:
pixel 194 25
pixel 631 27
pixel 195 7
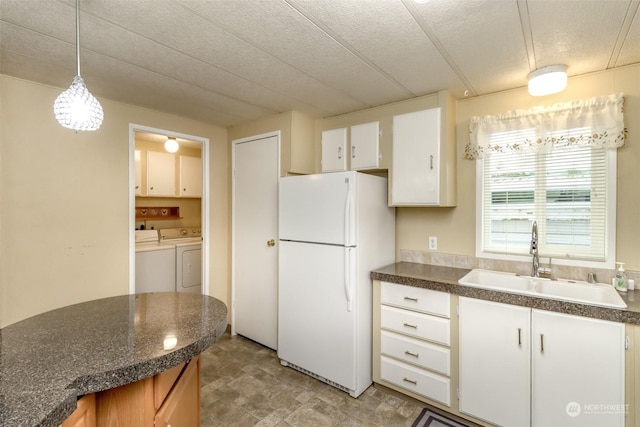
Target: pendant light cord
pixel 78 35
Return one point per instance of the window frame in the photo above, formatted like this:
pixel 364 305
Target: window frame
pixel 610 243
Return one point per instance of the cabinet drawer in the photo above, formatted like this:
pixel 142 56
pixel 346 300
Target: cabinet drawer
pixel 413 298
pixel 416 380
pixel 418 325
pixel 417 352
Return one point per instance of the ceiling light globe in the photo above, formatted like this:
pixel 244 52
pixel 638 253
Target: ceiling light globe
pixel 548 80
pixel 171 145
pixel 77 109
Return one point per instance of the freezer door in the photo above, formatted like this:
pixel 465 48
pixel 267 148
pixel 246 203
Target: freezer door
pixel 316 320
pixel 318 208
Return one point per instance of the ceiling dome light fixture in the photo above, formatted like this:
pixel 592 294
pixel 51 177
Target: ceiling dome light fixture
pixel 76 108
pixel 548 80
pixel 171 145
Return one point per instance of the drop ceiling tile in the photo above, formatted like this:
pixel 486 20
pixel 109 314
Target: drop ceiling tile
pixel 386 34
pixel 279 30
pixel 581 34
pixel 630 52
pixel 227 57
pixel 484 39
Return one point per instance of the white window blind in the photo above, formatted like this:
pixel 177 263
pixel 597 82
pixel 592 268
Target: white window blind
pixel 554 165
pixel 563 189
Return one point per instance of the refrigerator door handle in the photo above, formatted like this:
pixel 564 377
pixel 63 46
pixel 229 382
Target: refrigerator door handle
pixel 348 290
pixel 347 211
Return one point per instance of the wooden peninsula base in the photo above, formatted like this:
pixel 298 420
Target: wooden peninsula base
pixel 171 398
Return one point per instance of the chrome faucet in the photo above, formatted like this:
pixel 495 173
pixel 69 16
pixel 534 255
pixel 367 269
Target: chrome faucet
pixel 533 250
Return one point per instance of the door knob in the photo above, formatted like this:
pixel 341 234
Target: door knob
pixel 271 242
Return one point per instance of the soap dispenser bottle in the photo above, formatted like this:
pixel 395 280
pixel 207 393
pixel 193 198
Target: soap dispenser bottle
pixel 621 279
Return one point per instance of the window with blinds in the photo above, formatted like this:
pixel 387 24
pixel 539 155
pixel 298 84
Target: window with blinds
pixel 564 189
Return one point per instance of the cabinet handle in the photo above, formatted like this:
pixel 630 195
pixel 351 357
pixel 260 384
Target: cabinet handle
pixel 151 188
pixel 414 382
pixel 339 152
pixel 408 353
pixel 541 343
pixel 353 151
pixel 519 337
pixel 431 161
pixel 411 299
pixel 411 326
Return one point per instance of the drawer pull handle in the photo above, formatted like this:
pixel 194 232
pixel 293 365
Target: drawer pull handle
pixel 411 299
pixel 519 337
pixel 411 326
pixel 408 353
pixel 542 343
pixel 414 382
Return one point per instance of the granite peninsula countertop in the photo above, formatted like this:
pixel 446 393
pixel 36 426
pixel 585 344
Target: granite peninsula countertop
pixel 445 279
pixel 49 360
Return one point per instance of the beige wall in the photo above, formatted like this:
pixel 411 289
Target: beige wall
pixel 64 235
pixel 64 196
pixel 455 227
pixel 296 139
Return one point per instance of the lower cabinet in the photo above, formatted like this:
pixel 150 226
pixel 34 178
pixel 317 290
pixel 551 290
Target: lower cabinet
pixel 171 398
pixel 529 367
pixel 85 413
pixel 412 350
pixel 182 405
pixel 494 361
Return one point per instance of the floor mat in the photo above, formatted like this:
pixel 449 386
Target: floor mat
pixel 428 418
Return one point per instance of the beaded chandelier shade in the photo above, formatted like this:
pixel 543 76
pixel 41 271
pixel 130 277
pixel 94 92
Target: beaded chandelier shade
pixel 76 108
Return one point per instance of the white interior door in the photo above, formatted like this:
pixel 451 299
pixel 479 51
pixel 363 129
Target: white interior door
pixel 255 239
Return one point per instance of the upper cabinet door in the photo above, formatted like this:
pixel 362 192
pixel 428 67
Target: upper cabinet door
pixel 364 150
pixel 334 143
pixel 137 162
pixel 415 171
pixel 190 176
pixel 161 174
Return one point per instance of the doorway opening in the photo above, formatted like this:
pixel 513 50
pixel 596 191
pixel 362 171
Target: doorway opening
pixel 168 190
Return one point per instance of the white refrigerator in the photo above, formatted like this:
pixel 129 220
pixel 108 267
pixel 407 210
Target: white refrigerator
pixel 334 228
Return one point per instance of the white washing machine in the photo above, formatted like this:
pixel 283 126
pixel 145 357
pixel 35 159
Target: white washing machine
pixel 188 257
pixel 155 268
pixel 189 267
pixel 155 263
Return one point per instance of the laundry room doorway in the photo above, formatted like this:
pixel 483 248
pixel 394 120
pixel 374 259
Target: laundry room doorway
pixel 169 201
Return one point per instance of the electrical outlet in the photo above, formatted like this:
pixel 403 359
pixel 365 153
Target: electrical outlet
pixel 433 243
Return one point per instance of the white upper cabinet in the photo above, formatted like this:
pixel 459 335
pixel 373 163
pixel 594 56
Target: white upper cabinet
pixel 190 176
pixel 364 150
pixel 161 174
pixel 334 143
pixel 423 167
pixel 137 161
pixel 416 158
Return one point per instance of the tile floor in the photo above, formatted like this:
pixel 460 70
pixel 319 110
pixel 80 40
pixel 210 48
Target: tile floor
pixel 243 384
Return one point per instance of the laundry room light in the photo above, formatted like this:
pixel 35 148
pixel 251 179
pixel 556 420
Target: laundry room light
pixel 548 80
pixel 76 108
pixel 171 145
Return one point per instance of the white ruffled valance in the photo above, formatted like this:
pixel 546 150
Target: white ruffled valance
pixel 597 122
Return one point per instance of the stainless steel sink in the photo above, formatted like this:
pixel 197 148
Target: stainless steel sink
pixel 597 294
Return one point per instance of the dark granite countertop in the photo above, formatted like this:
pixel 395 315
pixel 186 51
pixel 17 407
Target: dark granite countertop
pixel 49 360
pixel 445 279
